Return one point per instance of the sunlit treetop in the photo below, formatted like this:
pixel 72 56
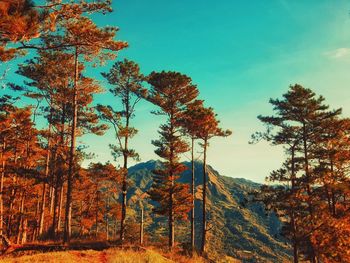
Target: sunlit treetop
pixel 22 21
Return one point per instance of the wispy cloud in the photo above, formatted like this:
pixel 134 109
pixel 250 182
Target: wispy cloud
pixel 338 53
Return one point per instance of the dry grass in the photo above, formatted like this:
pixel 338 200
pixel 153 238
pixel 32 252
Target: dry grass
pixel 107 256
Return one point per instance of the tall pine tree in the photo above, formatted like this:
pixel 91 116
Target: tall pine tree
pixel 171 92
pixel 127 81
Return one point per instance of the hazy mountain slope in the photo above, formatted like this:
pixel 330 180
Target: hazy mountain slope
pixel 239 229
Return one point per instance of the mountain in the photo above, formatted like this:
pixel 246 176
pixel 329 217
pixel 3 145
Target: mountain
pixel 239 228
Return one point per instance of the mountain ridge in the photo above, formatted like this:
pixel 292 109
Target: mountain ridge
pixel 241 229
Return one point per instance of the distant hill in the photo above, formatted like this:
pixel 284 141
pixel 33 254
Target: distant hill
pixel 240 229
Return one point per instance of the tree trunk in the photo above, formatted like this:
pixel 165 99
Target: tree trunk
pixel 42 210
pixel 96 212
pixel 122 221
pixel 107 223
pixel 24 231
pixel 308 187
pixel 20 220
pixel 55 203
pixel 204 219
pixel 60 208
pixel 52 199
pixel 171 193
pixel 3 165
pixel 36 226
pixel 294 227
pixel 171 219
pixel 11 214
pixel 334 211
pixel 295 253
pixel 125 167
pixel 192 193
pixel 333 207
pixel 60 180
pixel 307 173
pixel 81 231
pixel 68 214
pixel 141 224
pixel 43 196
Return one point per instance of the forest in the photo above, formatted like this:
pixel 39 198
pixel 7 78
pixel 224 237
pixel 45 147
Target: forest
pixel 47 195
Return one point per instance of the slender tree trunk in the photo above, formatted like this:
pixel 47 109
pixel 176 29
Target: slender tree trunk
pixel 36 227
pixel 334 211
pixel 107 223
pixel 171 217
pixel 68 214
pixel 96 212
pixel 11 214
pixel 293 223
pixel 327 191
pixel 307 173
pixel 171 193
pixel 60 208
pixel 81 231
pixel 295 253
pixel 24 231
pixel 295 240
pixel 122 221
pixel 333 207
pixel 20 220
pixel 107 229
pixel 141 224
pixel 3 166
pixel 204 219
pixel 125 167
pixel 52 199
pixel 43 196
pixel 53 180
pixel 60 180
pixel 308 187
pixel 192 193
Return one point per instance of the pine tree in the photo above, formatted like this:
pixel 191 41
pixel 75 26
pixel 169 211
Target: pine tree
pixel 299 125
pixel 171 92
pixel 332 191
pixel 190 123
pixel 208 127
pixel 19 22
pixel 22 21
pixel 127 81
pixel 91 43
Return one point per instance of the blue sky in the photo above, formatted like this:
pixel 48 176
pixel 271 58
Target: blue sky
pixel 240 54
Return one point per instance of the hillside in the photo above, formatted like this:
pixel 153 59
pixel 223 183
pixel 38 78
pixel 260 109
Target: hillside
pixel 240 229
